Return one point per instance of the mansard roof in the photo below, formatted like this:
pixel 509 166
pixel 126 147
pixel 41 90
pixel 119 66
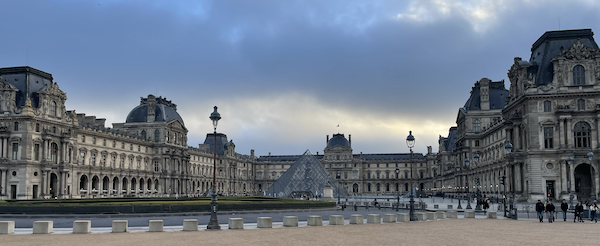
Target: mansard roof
pixel 497 96
pixel 550 45
pixel 164 110
pixel 450 141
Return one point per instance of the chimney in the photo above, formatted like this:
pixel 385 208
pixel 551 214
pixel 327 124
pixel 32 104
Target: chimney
pixel 428 149
pixel 327 140
pixel 350 139
pixel 251 152
pixel 484 93
pixel 150 115
pixel 317 152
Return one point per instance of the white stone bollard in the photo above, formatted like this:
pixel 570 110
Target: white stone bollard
pixel 7 227
pixel 336 220
pixel 431 216
pixel 155 225
pixel 290 221
pixel 373 219
pixel 315 220
pixel 190 224
pixel 236 223
pixel 43 227
pixel 441 215
pixel 264 222
pixel 119 225
pixel 357 219
pixel 452 214
pixel 469 214
pixel 403 217
pixel 491 215
pixel 421 216
pixel 389 218
pixel 82 226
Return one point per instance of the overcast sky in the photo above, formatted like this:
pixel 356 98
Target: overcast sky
pixel 284 73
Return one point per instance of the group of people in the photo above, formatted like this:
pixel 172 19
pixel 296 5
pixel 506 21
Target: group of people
pixel 549 208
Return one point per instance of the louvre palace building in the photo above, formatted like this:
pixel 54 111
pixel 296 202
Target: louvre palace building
pixel 548 113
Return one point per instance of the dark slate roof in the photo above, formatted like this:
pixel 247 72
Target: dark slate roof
pixel 222 143
pixel 163 111
pixel 29 81
pixel 450 141
pixel 281 158
pixel 338 140
pixel 400 156
pixel 549 45
pixel 497 95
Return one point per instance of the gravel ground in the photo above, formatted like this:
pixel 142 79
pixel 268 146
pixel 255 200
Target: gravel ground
pixel 444 232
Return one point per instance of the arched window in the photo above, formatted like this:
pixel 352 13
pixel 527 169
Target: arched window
pixel 581 105
pixel 378 175
pixel 387 187
pixel 405 186
pixel 53 108
pixel 369 175
pixel 476 125
pixel 378 187
pixel 582 133
pixel 405 174
pixel 54 153
pixel 369 187
pixel 578 75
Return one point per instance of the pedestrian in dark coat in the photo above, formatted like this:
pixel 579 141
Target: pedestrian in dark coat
pixel 564 207
pixel 550 209
pixel 578 211
pixel 539 208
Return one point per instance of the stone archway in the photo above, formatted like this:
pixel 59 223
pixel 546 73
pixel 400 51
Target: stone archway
pixel 583 181
pixel 53 184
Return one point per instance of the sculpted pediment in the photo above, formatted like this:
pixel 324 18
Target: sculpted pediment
pixel 176 124
pixel 5 86
pixel 578 51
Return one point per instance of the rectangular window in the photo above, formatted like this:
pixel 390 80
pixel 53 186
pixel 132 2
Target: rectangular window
pixel 547 106
pixel 15 150
pixel 548 137
pixel 36 152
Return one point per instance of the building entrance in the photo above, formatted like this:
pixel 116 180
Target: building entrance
pixel 583 181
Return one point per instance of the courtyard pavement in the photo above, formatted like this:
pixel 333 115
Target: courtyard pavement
pixel 487 232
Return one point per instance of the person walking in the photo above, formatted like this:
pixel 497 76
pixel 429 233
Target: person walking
pixel 564 207
pixel 578 211
pixel 550 209
pixel 539 208
pixel 593 210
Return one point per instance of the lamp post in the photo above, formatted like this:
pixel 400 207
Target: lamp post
pixel 478 192
pixel 213 224
pixel 397 190
pixel 570 182
pixel 467 184
pixel 508 147
pixel 410 142
pixel 590 156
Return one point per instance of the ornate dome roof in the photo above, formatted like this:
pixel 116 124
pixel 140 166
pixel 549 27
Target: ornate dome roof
pixel 164 110
pixel 338 140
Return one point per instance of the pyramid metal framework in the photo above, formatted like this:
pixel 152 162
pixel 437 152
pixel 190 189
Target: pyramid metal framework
pixel 305 176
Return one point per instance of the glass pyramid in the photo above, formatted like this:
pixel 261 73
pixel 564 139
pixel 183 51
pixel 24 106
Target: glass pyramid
pixel 305 177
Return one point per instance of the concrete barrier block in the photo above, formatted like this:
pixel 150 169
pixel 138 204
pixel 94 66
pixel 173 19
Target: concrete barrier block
pixel 290 221
pixel 315 220
pixel 469 214
pixel 236 223
pixel 336 220
pixel 264 222
pixel 373 219
pixel 431 216
pixel 357 219
pixel 491 215
pixel 452 214
pixel 7 227
pixel 441 215
pixel 449 206
pixel 190 224
pixel 436 206
pixel 82 226
pixel 421 216
pixel 389 218
pixel 43 227
pixel 403 217
pixel 155 225
pixel 119 225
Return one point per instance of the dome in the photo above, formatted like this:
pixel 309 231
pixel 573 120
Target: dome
pixel 163 111
pixel 338 140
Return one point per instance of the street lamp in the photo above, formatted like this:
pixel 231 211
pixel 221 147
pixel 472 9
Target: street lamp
pixel 397 190
pixel 570 182
pixel 410 142
pixel 213 224
pixel 478 204
pixel 467 185
pixel 590 156
pixel 508 147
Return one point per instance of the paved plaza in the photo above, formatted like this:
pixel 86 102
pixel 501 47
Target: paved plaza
pixel 442 232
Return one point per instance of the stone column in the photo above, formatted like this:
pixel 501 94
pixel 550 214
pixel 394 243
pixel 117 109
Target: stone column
pixel 3 181
pixel 572 177
pixel 569 134
pixel 560 134
pixel 5 147
pixel 563 177
pixel 60 183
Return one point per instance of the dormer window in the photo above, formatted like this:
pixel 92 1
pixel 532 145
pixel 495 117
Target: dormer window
pixel 578 75
pixel 53 108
